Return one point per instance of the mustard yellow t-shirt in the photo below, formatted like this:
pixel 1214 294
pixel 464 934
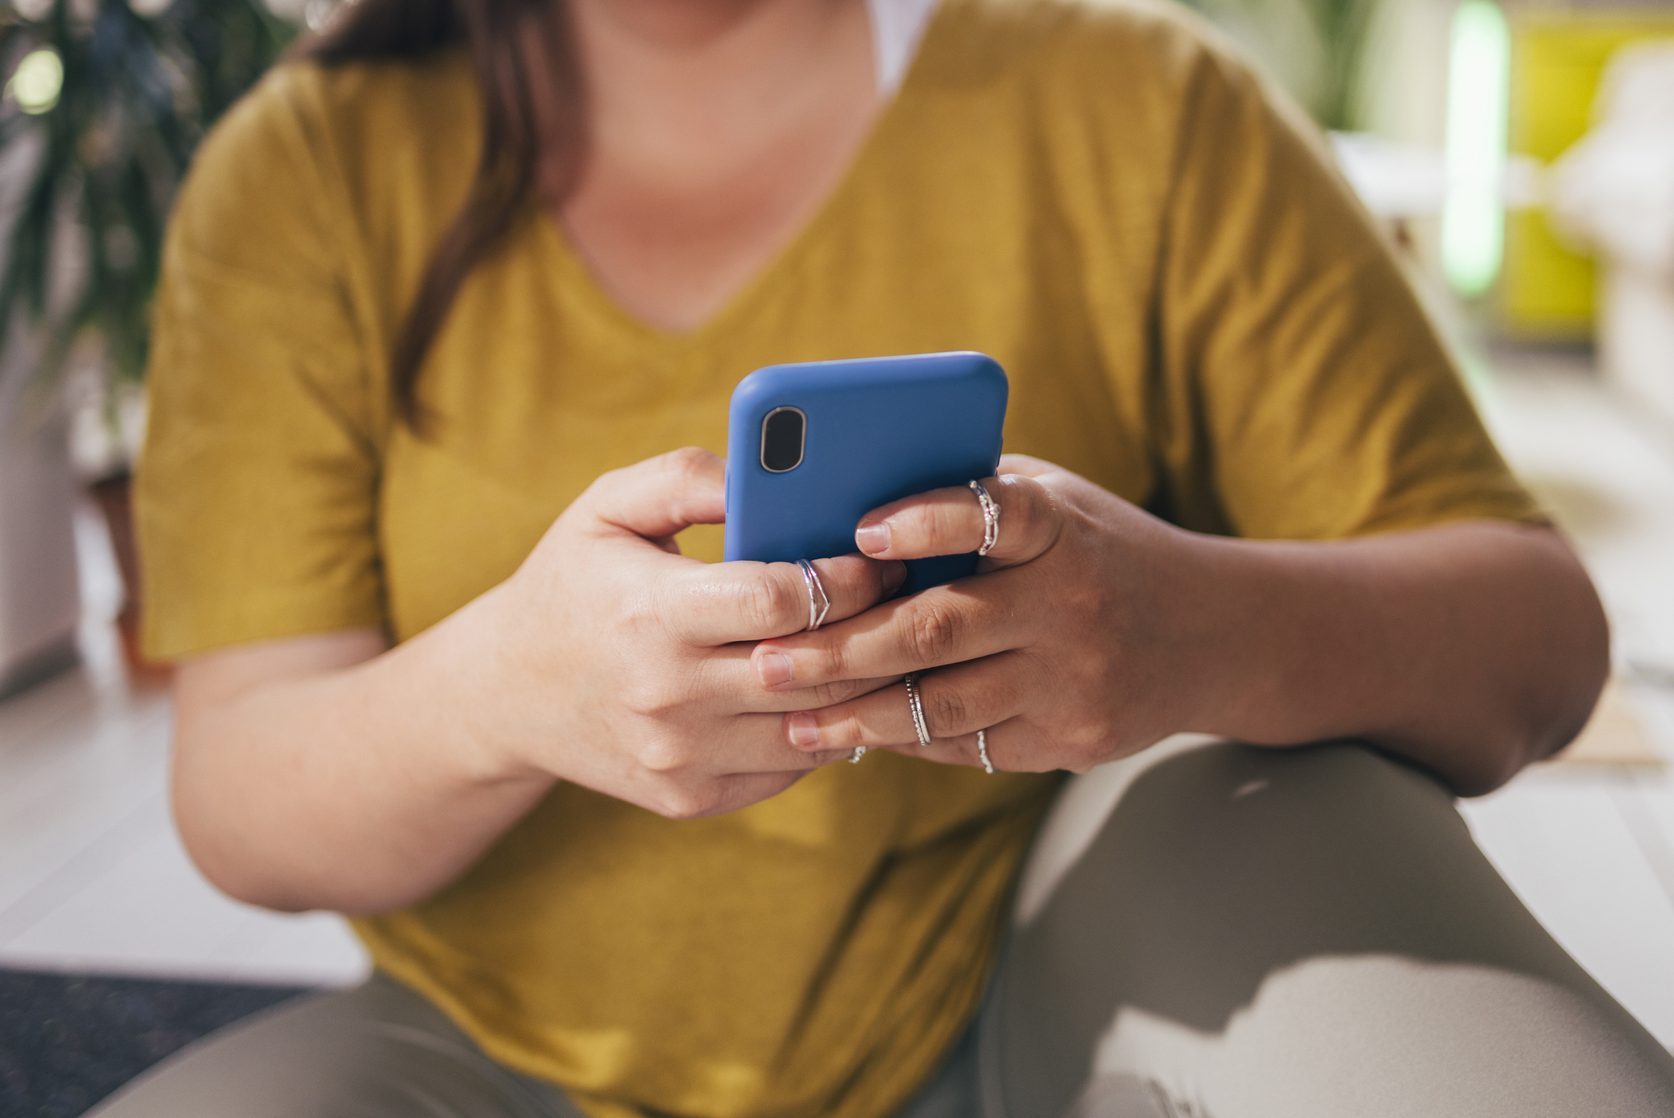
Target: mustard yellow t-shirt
pixel 1193 311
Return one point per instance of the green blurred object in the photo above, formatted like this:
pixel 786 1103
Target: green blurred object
pixel 1315 47
pixel 111 98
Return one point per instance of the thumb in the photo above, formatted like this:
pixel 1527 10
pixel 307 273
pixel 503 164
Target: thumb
pixel 660 496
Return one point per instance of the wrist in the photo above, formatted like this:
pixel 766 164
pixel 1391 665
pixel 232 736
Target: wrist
pixel 1216 601
pixel 476 667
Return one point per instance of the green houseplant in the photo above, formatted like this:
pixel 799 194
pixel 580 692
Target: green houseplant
pixel 105 101
pixel 135 93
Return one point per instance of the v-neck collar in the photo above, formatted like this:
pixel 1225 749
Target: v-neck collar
pixel 761 285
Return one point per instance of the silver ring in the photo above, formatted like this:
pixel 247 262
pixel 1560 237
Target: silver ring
pixel 819 602
pixel 859 752
pixel 916 701
pixel 990 518
pixel 982 751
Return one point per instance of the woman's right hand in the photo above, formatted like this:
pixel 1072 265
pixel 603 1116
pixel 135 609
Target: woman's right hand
pixel 625 667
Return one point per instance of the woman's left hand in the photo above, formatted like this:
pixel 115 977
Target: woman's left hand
pixel 1078 641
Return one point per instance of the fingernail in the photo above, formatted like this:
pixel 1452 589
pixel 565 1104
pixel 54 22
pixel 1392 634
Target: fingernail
pixel 774 668
pixel 894 576
pixel 803 731
pixel 872 538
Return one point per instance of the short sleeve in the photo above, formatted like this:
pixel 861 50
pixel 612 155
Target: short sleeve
pixel 256 487
pixel 1309 395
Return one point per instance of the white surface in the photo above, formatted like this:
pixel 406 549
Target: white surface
pixel 91 876
pixel 1563 842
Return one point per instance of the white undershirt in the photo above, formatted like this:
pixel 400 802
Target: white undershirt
pixel 897 26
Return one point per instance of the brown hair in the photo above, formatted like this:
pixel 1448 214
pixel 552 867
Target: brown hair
pixel 523 57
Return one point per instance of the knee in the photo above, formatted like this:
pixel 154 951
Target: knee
pixel 1221 817
pixel 1245 789
pixel 1225 802
pixel 1187 886
pixel 1184 881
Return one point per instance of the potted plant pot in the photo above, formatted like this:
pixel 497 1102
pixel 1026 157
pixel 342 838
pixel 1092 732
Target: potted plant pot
pixel 40 603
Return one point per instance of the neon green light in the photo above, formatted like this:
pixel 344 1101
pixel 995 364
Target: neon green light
pixel 37 81
pixel 1478 96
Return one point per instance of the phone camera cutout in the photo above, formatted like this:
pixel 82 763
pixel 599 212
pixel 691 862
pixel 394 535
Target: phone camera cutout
pixel 783 434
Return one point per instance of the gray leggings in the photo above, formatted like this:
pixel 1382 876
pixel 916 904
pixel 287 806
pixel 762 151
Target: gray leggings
pixel 1204 931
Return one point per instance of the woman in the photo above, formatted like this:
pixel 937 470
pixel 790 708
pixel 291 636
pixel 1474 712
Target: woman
pixel 441 298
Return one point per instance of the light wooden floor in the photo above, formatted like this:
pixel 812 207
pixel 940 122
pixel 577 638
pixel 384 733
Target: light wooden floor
pixel 92 877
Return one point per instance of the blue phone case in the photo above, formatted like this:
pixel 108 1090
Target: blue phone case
pixel 877 429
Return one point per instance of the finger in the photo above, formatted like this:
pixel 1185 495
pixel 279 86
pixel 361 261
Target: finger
pixel 950 522
pixel 784 760
pixel 962 620
pixel 1008 749
pixel 733 793
pixel 729 676
pixel 956 701
pixel 717 604
pixel 751 743
pixel 661 496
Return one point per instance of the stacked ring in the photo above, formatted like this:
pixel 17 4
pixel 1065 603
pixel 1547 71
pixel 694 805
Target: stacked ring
pixel 990 518
pixel 982 752
pixel 819 602
pixel 915 702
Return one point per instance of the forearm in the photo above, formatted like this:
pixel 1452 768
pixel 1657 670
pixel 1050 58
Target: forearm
pixel 357 789
pixel 1470 649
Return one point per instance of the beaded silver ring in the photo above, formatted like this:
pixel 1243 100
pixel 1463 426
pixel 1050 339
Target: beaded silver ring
pixel 990 518
pixel 915 702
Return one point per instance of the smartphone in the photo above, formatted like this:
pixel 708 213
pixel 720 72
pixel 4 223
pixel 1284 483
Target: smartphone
pixel 812 447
